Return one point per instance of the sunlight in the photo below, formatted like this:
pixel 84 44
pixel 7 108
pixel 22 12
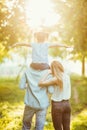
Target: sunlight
pixel 40 13
pixel 10 4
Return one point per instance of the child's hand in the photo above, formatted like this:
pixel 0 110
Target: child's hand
pixel 11 46
pixel 67 46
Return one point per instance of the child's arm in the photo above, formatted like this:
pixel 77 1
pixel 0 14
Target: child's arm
pixel 22 44
pixel 59 45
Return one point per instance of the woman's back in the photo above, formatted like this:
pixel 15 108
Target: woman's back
pixel 65 93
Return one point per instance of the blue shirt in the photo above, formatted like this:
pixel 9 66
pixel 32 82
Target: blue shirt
pixel 40 52
pixel 35 96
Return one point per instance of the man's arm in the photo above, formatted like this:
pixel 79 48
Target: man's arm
pixel 22 83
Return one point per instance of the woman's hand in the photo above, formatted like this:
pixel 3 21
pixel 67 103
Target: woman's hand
pixel 40 84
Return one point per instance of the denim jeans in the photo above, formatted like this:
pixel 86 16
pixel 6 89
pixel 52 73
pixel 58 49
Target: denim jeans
pixel 28 115
pixel 61 115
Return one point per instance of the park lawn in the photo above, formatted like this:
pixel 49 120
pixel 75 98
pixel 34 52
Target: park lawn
pixel 12 105
pixel 80 121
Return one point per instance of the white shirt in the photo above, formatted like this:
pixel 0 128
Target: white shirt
pixel 65 93
pixel 40 52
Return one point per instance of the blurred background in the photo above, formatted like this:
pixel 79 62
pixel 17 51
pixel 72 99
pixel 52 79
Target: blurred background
pixel 66 23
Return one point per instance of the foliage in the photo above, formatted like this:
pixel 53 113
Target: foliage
pixel 72 27
pixel 80 122
pixel 73 23
pixel 79 92
pixel 13 26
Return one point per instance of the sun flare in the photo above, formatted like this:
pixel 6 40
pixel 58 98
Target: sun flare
pixel 40 13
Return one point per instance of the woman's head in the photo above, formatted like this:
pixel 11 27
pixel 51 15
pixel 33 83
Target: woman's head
pixel 41 36
pixel 57 71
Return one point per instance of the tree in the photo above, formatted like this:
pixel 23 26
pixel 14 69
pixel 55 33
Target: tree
pixel 72 26
pixel 80 35
pixel 13 27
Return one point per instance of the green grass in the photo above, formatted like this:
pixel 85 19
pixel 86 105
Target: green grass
pixel 12 105
pixel 80 122
pixel 79 92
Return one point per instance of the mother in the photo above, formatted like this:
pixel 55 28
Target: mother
pixel 61 109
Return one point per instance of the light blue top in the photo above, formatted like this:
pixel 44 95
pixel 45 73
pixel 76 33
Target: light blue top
pixel 40 52
pixel 35 96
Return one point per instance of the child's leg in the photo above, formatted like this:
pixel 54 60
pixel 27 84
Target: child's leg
pixel 27 118
pixel 40 119
pixel 39 66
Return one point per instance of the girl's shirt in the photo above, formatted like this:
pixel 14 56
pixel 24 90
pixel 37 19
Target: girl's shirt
pixel 40 52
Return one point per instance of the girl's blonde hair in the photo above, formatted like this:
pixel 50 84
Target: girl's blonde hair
pixel 57 71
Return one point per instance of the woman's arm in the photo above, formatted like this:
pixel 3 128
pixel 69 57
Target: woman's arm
pixel 44 82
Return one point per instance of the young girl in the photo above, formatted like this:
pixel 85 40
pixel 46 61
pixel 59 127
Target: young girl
pixel 40 50
pixel 60 99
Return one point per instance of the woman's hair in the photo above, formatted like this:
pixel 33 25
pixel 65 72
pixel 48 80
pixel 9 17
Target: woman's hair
pixel 57 71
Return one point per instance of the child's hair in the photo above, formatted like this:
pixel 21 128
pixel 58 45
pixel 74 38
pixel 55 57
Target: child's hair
pixel 57 71
pixel 41 36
